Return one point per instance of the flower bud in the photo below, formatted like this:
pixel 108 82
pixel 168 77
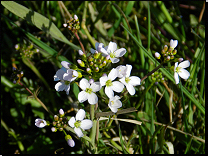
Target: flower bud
pixel 90 59
pixel 96 69
pixel 89 70
pixel 157 55
pixel 76 18
pixel 165 48
pixel 107 57
pixel 61 112
pixel 163 51
pixel 180 59
pixel 65 25
pixel 174 51
pixel 80 52
pixel 91 63
pixel 53 129
pixel 104 74
pixel 79 75
pixel 56 117
pixel 172 57
pixel 61 129
pixel 81 63
pixel 104 63
pixel 91 81
pixel 70 141
pixel 168 58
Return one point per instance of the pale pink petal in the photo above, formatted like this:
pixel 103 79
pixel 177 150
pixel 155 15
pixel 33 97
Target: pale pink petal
pixel 71 142
pixel 92 98
pixel 113 74
pixel 109 92
pixel 130 89
pixel 103 80
pixel 184 74
pixel 95 86
pixel 184 64
pixel 120 52
pixel 82 96
pixel 84 84
pixel 114 60
pixel 80 115
pixel 176 77
pixel 135 81
pixel 78 131
pixel 86 124
pixel 117 86
pixel 60 86
pixel 71 122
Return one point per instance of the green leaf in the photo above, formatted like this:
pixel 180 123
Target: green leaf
pixel 38 20
pixel 167 74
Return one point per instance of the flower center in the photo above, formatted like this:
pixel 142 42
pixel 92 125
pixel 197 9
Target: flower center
pixel 112 55
pixel 112 102
pixel 67 82
pixel 127 79
pixel 108 83
pixel 178 69
pixel 77 124
pixel 89 90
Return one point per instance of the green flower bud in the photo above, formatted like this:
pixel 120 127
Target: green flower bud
pixel 81 63
pixel 79 75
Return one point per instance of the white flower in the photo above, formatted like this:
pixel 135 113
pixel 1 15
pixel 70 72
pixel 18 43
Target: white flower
pixel 63 84
pixel 88 92
pixel 121 71
pixel 65 64
pixel 130 81
pixel 180 71
pixel 114 103
pixel 70 75
pixel 111 50
pixel 173 43
pixel 111 86
pixel 40 123
pixel 78 123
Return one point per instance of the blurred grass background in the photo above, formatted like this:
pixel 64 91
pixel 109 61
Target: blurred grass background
pixel 152 24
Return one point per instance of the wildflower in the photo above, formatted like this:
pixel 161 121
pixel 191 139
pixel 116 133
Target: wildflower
pixel 70 141
pixel 173 43
pixel 40 123
pixel 121 71
pixel 111 86
pixel 157 55
pixel 114 103
pixel 88 92
pixel 78 123
pixel 130 82
pixel 70 75
pixel 180 71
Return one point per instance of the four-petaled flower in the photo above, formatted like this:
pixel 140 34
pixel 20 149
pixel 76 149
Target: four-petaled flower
pixel 180 71
pixel 78 123
pixel 114 103
pixel 88 92
pixel 110 85
pixel 130 81
pixel 40 123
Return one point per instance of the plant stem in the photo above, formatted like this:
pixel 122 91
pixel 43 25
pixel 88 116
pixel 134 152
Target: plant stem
pixel 80 43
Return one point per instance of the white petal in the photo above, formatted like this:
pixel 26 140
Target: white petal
pixel 114 60
pixel 120 52
pixel 134 80
pixel 56 78
pixel 173 43
pixel 78 131
pixel 92 51
pixel 113 74
pixel 184 64
pixel 176 65
pixel 184 74
pixel 80 115
pixel 112 47
pixel 176 77
pixel 130 89
pixel 128 71
pixel 113 109
pixel 103 51
pixel 71 142
pixel 84 84
pixel 71 122
pixel 82 96
pixel 95 86
pixel 60 86
pixel 65 64
pixel 67 89
pixel 122 80
pixel 117 86
pixel 103 80
pixel 109 92
pixel 92 98
pixel 60 73
pixel 121 71
pixel 96 45
pixel 86 124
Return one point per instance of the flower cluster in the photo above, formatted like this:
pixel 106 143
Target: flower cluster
pixel 72 24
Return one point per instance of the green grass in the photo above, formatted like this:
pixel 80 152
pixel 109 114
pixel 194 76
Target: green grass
pixel 142 28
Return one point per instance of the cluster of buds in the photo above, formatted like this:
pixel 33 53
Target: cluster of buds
pixel 94 62
pixel 26 51
pixel 16 75
pixel 157 77
pixel 60 121
pixel 73 24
